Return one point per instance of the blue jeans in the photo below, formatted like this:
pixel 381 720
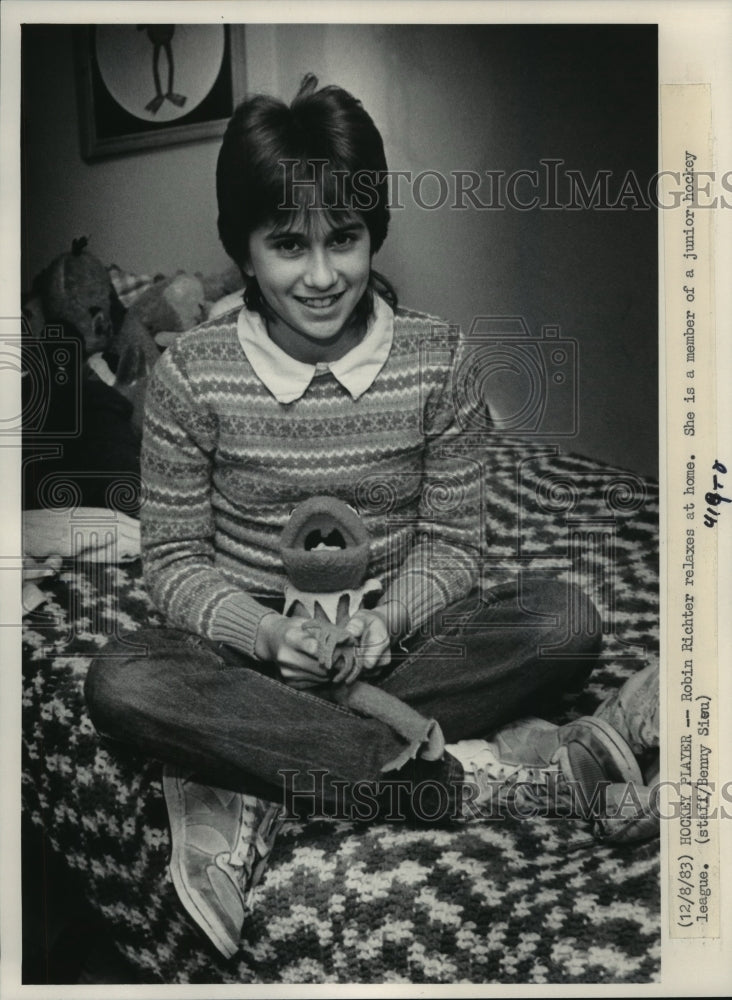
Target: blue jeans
pixel 481 663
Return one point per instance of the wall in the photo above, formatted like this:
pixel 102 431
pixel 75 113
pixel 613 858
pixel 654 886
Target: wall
pixel 151 211
pixel 446 98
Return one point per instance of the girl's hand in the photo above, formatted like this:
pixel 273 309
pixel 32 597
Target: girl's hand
pixel 373 652
pixel 282 641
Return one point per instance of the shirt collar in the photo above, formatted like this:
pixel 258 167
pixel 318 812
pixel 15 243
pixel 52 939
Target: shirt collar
pixel 288 379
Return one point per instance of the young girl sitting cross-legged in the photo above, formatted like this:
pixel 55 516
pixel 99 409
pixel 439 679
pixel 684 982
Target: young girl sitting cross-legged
pixel 318 387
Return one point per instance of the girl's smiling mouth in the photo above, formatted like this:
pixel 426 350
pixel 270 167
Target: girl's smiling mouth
pixel 319 301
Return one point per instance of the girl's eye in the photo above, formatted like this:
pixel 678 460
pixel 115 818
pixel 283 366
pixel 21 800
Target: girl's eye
pixel 343 240
pixel 288 247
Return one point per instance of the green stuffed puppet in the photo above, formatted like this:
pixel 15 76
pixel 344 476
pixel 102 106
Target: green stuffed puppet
pixel 325 551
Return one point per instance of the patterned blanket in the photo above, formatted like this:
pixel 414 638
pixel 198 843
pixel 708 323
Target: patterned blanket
pixel 504 901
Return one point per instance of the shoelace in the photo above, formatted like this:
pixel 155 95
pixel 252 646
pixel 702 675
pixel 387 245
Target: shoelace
pixel 254 844
pixel 502 778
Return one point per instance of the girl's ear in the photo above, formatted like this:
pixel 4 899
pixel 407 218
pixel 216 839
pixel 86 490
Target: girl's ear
pixel 246 268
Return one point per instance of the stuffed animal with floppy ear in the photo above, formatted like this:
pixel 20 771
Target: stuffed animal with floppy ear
pixel 76 290
pixel 153 322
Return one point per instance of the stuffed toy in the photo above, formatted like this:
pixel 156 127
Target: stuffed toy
pixel 325 551
pixel 119 347
pixel 153 322
pixel 216 286
pixel 76 290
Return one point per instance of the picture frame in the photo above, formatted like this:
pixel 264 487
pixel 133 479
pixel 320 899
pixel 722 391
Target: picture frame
pixel 151 86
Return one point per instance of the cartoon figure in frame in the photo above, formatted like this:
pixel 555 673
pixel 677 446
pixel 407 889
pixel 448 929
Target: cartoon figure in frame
pixel 161 36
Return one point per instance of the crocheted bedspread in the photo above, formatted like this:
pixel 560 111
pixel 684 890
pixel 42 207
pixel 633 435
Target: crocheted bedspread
pixel 504 901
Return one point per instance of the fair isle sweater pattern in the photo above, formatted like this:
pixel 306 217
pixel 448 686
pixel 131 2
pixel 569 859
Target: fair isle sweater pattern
pixel 224 464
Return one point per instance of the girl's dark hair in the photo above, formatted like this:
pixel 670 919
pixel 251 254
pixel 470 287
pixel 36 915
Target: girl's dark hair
pixel 323 152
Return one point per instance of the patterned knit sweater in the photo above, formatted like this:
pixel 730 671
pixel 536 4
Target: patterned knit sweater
pixel 224 464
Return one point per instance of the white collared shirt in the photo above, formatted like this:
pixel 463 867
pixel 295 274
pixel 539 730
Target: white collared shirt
pixel 288 379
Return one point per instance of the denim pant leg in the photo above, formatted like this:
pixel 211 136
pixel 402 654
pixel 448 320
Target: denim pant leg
pixel 498 655
pixel 485 662
pixel 214 710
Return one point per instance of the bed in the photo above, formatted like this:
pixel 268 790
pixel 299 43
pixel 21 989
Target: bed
pixel 536 901
pixel 533 901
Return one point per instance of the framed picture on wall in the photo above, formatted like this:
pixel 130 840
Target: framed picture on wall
pixel 143 86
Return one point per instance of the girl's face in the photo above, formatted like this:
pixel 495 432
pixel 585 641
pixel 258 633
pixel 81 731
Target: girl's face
pixel 312 274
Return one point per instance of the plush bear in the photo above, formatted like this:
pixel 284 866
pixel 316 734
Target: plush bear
pixel 119 349
pixel 153 321
pixel 76 291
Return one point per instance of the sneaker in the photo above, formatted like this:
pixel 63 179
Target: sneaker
pixel 629 816
pixel 591 751
pixel 633 710
pixel 493 786
pixel 625 814
pixel 220 841
pixel 532 767
pixel 527 741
